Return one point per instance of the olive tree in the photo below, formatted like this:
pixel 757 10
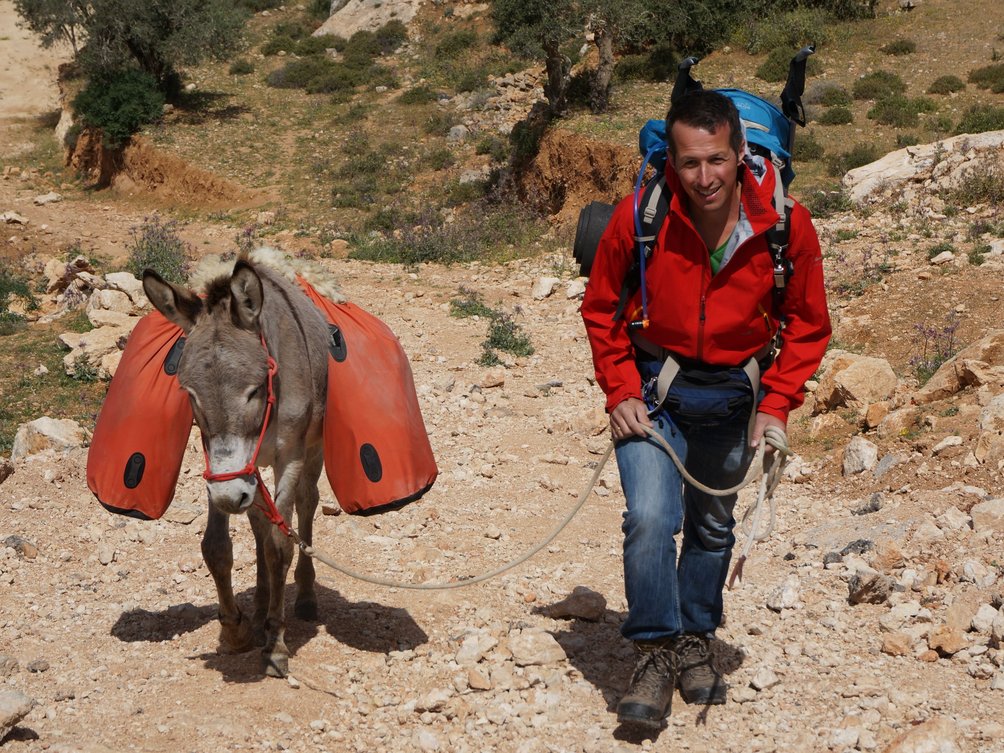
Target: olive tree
pixel 156 36
pixel 538 28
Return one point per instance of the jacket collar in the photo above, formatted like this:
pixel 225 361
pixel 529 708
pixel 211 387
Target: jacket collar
pixel 756 194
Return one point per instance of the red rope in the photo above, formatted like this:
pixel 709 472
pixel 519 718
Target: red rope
pixel 251 469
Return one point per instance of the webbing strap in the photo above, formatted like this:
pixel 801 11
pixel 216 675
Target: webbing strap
pixel 671 368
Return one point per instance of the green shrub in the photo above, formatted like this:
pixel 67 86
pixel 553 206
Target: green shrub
pixel 156 245
pixel 334 78
pixel 471 80
pixel 946 85
pixel 895 110
pixel 989 77
pixel 457 193
pixel 899 47
pixel 789 31
pixel 484 230
pixel 775 67
pixel 827 203
pixel 418 95
pixel 878 85
pixel 838 115
pixel 493 145
pixel 832 95
pixel 469 304
pixel 978 254
pixel 13 287
pixel 807 148
pixel 440 159
pixel 275 45
pixel 506 335
pixel 906 139
pixel 315 45
pixel 291 29
pixel 979 186
pixel 390 36
pixel 632 68
pixel 241 67
pixel 368 163
pixel 981 118
pixel 454 43
pixel 438 124
pixel 860 154
pixel 119 103
pixel 658 64
pixel 297 74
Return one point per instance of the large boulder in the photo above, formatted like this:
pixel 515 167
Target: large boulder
pixel 978 364
pixel 349 16
pixel 913 169
pixel 855 381
pixel 990 442
pixel 42 434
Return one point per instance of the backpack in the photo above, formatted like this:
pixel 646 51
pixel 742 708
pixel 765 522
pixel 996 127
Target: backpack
pixel 769 133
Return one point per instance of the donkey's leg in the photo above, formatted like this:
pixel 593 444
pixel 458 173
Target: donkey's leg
pixel 261 589
pixel 306 506
pixel 278 554
pixel 218 552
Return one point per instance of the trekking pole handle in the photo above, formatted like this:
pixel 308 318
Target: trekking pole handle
pixel 804 53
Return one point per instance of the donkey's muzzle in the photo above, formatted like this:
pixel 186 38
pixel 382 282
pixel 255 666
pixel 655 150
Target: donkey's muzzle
pixel 233 496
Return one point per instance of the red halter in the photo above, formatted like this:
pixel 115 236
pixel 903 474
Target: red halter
pixel 251 469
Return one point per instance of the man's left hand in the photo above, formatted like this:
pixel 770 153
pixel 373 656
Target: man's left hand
pixel 763 420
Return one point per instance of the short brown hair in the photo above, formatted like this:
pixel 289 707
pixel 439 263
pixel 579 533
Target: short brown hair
pixel 708 110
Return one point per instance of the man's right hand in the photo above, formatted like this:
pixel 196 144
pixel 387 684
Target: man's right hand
pixel 628 418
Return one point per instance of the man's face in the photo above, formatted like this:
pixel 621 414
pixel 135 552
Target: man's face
pixel 707 166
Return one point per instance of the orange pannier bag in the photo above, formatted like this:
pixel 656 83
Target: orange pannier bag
pixel 376 450
pixel 140 437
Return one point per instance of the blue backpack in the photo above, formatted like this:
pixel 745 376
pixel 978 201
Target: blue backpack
pixel 769 133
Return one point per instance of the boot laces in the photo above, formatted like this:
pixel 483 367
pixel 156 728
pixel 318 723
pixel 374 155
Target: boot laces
pixel 694 653
pixel 653 669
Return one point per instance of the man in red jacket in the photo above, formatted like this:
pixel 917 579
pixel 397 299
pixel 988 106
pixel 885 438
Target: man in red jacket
pixel 712 308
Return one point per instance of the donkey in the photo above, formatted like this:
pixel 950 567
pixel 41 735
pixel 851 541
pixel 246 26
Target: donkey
pixel 231 333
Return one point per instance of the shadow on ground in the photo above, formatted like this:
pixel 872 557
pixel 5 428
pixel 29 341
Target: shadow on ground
pixel 606 659
pixel 363 625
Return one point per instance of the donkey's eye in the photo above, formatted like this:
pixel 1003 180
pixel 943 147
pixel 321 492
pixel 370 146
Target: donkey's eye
pixel 255 392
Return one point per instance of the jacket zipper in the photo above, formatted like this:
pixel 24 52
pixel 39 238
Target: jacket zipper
pixel 700 331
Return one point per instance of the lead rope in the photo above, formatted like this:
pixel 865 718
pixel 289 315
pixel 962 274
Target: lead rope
pixel 769 481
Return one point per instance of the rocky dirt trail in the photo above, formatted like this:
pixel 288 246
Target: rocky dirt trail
pixel 871 619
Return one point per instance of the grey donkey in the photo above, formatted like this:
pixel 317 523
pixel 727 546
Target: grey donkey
pixel 225 372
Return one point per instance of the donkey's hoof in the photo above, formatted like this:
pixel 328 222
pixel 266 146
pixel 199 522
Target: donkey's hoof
pixel 306 610
pixel 236 638
pixel 276 665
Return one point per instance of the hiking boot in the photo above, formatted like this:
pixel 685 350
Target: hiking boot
pixel 698 680
pixel 646 702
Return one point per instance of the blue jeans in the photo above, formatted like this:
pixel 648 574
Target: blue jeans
pixel 667 597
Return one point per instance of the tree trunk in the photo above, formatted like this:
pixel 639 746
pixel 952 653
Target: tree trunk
pixel 599 96
pixel 558 69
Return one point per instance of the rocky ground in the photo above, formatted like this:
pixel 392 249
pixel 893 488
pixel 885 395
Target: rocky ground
pixel 870 619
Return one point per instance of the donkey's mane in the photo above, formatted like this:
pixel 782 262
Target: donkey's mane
pixel 217 292
pixel 212 273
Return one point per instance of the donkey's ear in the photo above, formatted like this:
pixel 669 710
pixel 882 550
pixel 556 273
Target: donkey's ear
pixel 179 305
pixel 246 295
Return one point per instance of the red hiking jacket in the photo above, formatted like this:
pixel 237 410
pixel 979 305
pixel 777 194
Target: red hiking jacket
pixel 722 319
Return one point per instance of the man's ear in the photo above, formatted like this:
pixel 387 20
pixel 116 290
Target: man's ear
pixel 179 306
pixel 246 296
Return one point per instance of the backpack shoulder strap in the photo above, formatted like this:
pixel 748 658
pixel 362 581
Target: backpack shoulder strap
pixel 778 236
pixel 652 208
